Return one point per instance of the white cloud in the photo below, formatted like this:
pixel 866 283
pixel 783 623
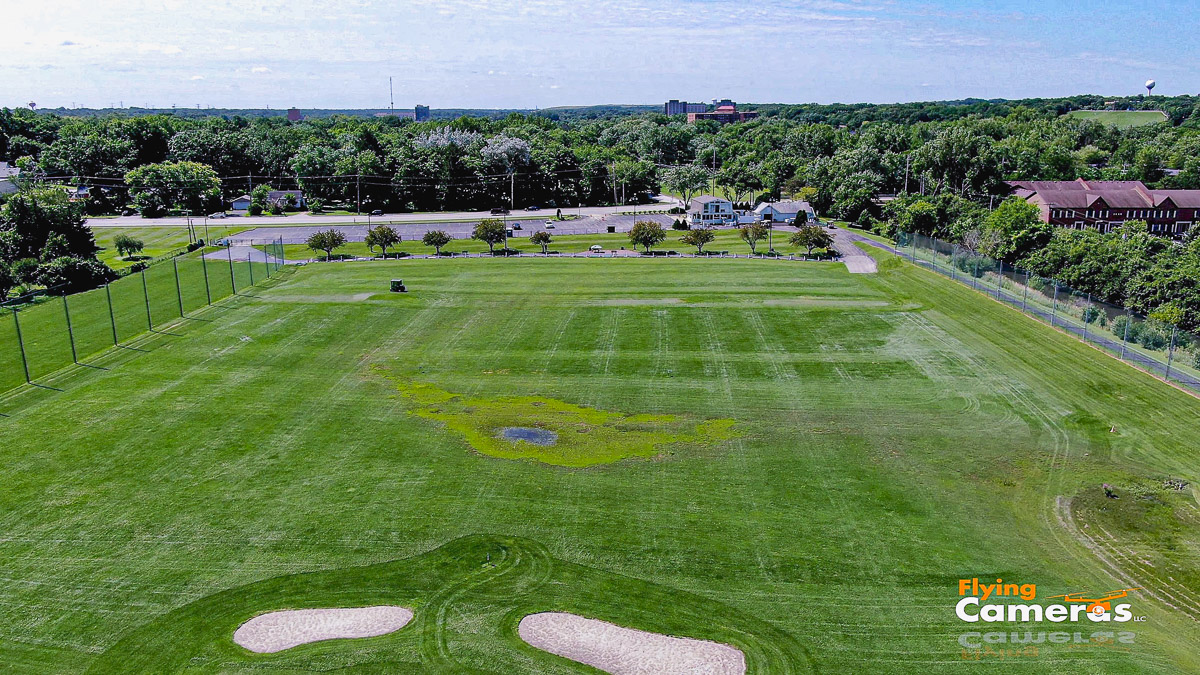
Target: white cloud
pixel 260 69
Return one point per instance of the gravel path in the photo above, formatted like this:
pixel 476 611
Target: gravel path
pixel 277 631
pixel 625 651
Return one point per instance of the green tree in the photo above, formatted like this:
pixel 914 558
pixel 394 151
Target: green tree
pixel 541 238
pixel 7 281
pixel 686 181
pixel 30 217
pixel 73 275
pixel 383 236
pixel 754 233
pixel 810 237
pixel 698 238
pixel 437 239
pixel 158 188
pixel 490 231
pixel 647 234
pixel 127 245
pixel 1015 229
pixel 327 241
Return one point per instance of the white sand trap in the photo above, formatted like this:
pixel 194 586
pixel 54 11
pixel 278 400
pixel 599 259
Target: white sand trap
pixel 277 631
pixel 625 651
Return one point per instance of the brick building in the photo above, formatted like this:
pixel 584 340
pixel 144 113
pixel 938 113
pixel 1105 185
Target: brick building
pixel 1106 205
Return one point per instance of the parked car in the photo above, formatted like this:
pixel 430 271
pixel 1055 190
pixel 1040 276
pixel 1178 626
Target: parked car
pixel 516 226
pixel 549 224
pixel 596 248
pixel 499 212
pixel 219 214
pixel 535 207
pixel 377 212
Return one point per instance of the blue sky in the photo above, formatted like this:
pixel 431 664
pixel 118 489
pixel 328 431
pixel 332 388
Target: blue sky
pixel 542 53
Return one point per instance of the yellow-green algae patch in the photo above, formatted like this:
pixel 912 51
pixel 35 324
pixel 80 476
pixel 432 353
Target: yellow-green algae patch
pixel 586 436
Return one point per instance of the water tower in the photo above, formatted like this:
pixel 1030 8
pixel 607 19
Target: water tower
pixel 1150 86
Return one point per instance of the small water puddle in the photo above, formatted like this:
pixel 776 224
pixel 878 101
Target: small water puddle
pixel 529 435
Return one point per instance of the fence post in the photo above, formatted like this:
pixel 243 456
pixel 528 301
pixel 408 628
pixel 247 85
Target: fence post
pixel 974 271
pixel 953 259
pixel 1025 295
pixel 1171 351
pixel 1125 339
pixel 1087 314
pixel 178 290
pixel 1054 305
pixel 112 318
pixel 1000 280
pixel 146 294
pixel 204 266
pixel 21 344
pixel 70 331
pixel 232 278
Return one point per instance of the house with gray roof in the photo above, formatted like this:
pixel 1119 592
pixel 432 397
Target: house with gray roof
pixel 784 211
pixel 710 211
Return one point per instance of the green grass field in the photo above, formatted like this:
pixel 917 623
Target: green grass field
pixel 159 241
pixel 829 455
pixel 1123 119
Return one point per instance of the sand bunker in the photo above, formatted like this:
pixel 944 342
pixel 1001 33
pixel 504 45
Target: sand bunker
pixel 277 631
pixel 625 651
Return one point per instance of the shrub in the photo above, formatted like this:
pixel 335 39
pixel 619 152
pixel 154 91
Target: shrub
pixel 73 275
pixel 676 210
pixel 1092 314
pixel 25 270
pixel 255 210
pixel 679 225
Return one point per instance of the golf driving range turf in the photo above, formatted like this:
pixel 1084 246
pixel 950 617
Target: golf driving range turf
pixel 776 455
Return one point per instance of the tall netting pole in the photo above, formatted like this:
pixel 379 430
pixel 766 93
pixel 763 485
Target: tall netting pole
pixel 1125 338
pixel 70 330
pixel 21 344
pixel 204 267
pixel 112 317
pixel 232 276
pixel 1171 352
pixel 178 288
pixel 250 262
pixel 1054 306
pixel 146 294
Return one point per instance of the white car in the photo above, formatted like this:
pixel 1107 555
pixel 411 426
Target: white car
pixel 596 248
pixel 549 224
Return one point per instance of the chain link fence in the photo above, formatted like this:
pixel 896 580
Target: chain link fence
pixel 1156 346
pixel 45 331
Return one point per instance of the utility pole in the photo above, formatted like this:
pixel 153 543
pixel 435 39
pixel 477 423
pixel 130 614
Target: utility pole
pixel 512 192
pixel 358 193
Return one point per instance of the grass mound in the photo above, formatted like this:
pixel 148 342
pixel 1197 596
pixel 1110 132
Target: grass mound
pixel 586 436
pixel 485 583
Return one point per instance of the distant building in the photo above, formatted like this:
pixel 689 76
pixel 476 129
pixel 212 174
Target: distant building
pixel 1106 205
pixel 280 197
pixel 422 113
pixel 294 115
pixel 8 178
pixel 676 107
pixel 402 114
pixel 782 212
pixel 724 114
pixel 241 203
pixel 710 211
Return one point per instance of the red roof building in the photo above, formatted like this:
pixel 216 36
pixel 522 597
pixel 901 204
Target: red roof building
pixel 726 113
pixel 1107 205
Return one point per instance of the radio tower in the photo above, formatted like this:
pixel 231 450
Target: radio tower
pixel 391 97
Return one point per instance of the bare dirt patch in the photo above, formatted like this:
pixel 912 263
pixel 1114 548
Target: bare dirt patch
pixel 625 651
pixel 277 631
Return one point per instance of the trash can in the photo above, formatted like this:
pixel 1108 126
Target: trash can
pixel 612 229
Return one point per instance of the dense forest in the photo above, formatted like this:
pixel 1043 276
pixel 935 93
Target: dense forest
pixel 947 162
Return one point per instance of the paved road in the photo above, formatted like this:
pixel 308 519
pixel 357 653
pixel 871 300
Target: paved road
pixel 857 262
pixel 298 234
pixel 393 218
